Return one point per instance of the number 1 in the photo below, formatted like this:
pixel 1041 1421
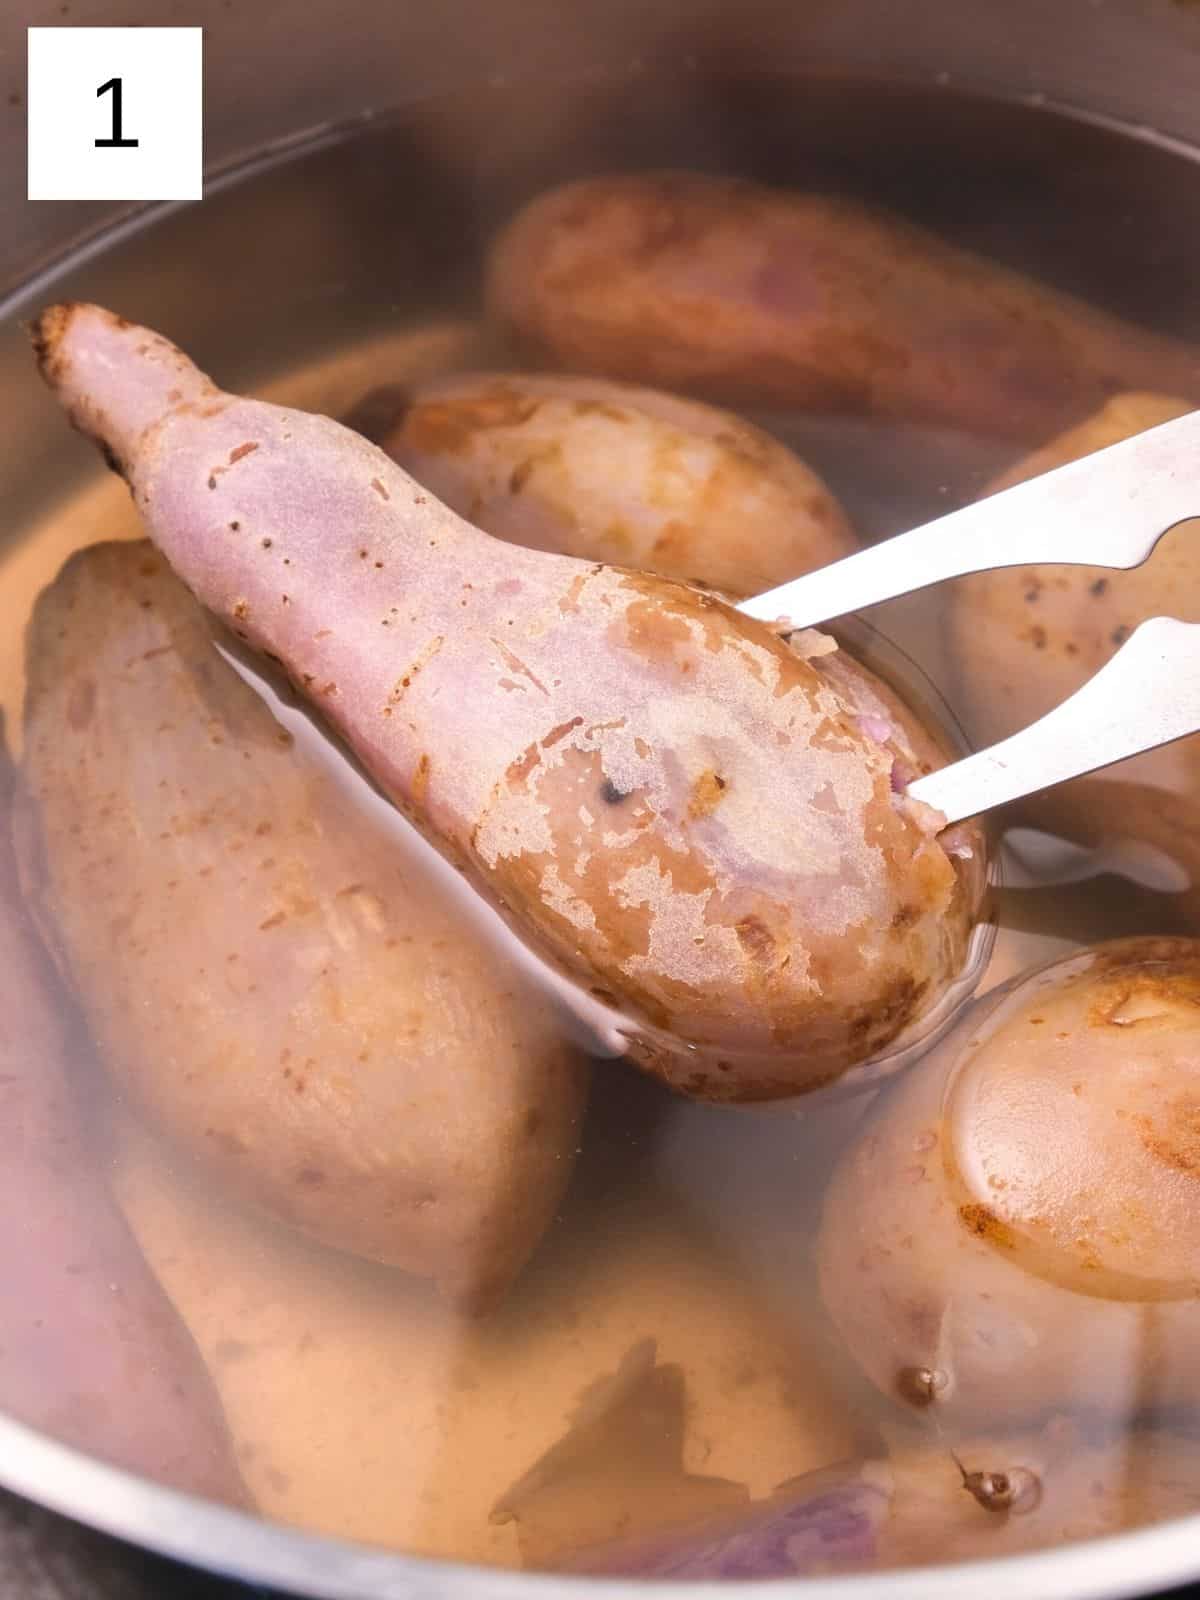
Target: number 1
pixel 114 141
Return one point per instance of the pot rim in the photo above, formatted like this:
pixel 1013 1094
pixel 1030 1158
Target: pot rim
pixel 37 279
pixel 249 1548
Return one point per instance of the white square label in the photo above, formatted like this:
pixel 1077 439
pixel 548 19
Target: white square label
pixel 115 113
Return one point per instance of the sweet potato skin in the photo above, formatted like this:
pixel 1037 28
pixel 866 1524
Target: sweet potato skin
pixel 914 1508
pixel 91 1350
pixel 675 808
pixel 750 295
pixel 1030 1272
pixel 1022 639
pixel 283 993
pixel 611 472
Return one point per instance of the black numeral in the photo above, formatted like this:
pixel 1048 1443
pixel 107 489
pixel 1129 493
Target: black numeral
pixel 115 140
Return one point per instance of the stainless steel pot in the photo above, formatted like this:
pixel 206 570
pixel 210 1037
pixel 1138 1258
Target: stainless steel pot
pixel 281 71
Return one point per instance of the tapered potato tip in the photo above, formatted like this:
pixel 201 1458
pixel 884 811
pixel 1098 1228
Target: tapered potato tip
pixel 84 350
pixel 46 333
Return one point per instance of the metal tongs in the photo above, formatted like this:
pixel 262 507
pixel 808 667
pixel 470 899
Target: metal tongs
pixel 1109 509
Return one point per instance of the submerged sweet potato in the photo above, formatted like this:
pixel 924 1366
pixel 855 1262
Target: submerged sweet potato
pixel 1014 1230
pixel 754 295
pixel 922 1506
pixel 614 473
pixel 266 975
pixel 1022 639
pixel 91 1350
pixel 705 829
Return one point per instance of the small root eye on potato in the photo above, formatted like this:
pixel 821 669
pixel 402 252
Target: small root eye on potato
pixel 1015 1492
pixel 969 1255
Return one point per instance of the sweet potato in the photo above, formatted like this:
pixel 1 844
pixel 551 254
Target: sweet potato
pixel 702 827
pixel 1021 639
pixel 267 976
pixel 1013 1232
pixel 613 473
pixel 91 1350
pixel 923 1507
pixel 751 295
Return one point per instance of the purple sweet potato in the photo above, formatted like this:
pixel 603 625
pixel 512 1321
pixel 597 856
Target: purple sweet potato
pixel 610 472
pixel 703 827
pixel 1013 1231
pixel 1022 639
pixel 751 295
pixel 91 1350
pixel 920 1506
pixel 272 981
pixel 828 1522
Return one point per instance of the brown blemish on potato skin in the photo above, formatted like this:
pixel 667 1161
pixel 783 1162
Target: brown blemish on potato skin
pixel 520 769
pixel 653 631
pixel 1147 972
pixel 665 621
pixel 560 732
pixel 1176 1140
pixel 420 783
pixel 985 1224
pixel 517 667
pixel 46 334
pixel 449 427
pixel 883 1020
pixel 707 794
pixel 570 601
pixel 756 939
pixel 404 683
